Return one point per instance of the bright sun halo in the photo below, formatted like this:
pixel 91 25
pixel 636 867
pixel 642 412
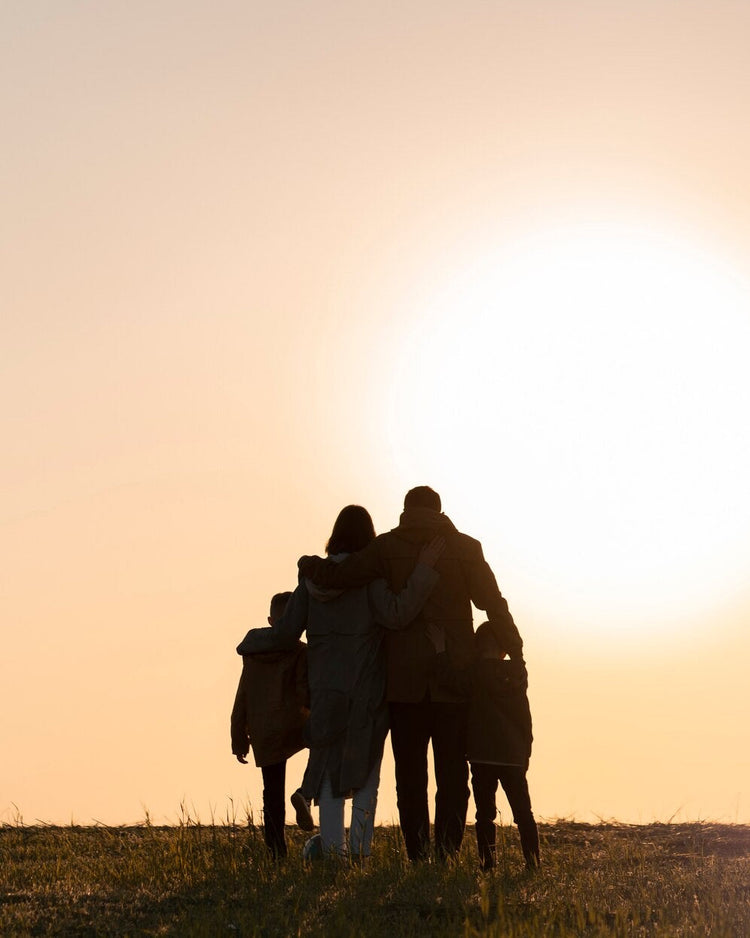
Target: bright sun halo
pixel 586 392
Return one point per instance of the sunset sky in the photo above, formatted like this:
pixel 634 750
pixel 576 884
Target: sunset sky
pixel 264 259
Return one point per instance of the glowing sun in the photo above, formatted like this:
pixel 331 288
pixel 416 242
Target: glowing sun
pixel 583 396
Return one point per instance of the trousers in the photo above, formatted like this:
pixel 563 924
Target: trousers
pixel 484 782
pixel 413 727
pixel 362 825
pixel 274 779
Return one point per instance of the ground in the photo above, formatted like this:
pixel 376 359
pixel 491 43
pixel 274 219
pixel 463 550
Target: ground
pixel 216 880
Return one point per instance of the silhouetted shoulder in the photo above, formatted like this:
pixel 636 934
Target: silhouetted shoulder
pixel 469 546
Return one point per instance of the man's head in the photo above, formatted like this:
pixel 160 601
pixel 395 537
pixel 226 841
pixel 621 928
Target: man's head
pixel 278 605
pixel 422 497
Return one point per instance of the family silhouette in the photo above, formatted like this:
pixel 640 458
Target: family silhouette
pixel 390 646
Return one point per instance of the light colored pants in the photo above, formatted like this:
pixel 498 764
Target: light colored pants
pixel 364 802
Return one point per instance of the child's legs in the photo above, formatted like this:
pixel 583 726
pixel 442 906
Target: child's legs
pixel 274 777
pixel 363 814
pixel 484 786
pixel 332 833
pixel 516 788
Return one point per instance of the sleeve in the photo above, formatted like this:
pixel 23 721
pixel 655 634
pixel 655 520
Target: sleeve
pixel 484 593
pixel 238 725
pixel 301 679
pixel 357 569
pixel 285 633
pixel 396 610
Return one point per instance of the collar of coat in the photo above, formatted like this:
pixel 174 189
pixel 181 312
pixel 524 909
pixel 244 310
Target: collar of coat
pixel 419 525
pixel 322 593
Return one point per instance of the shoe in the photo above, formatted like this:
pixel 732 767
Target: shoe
pixel 302 806
pixel 313 849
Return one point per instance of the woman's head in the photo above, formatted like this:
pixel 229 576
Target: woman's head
pixel 352 531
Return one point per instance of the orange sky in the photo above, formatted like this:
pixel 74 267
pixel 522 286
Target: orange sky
pixel 250 255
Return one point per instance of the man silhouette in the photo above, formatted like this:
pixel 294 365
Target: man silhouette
pixel 423 708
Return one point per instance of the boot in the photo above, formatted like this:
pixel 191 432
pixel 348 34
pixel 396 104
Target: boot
pixel 486 843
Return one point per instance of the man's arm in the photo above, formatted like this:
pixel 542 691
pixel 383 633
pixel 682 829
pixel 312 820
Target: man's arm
pixel 357 569
pixel 285 633
pixel 484 593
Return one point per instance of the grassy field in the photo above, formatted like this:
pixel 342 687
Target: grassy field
pixel 216 880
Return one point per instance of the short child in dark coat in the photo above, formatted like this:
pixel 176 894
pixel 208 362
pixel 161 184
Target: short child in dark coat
pixel 269 712
pixel 498 739
pixel 499 745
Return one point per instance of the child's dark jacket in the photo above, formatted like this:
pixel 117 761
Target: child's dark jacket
pixel 271 705
pixel 499 728
pixel 499 720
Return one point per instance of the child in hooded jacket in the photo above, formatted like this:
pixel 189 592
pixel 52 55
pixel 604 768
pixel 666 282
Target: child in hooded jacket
pixel 270 709
pixel 498 737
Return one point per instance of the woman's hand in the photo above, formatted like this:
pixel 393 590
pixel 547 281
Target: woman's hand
pixel 431 553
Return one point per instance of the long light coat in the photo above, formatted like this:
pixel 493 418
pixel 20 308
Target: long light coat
pixel 347 670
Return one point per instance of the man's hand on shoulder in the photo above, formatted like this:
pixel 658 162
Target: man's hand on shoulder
pixel 308 565
pixel 356 569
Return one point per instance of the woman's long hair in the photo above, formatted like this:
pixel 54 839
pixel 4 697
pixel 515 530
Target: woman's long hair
pixel 352 531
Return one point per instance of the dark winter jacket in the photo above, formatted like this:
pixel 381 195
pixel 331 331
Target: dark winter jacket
pixel 465 578
pixel 271 705
pixel 499 727
pixel 499 722
pixel 346 659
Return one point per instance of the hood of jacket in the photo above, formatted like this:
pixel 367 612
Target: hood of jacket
pixel 322 593
pixel 420 525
